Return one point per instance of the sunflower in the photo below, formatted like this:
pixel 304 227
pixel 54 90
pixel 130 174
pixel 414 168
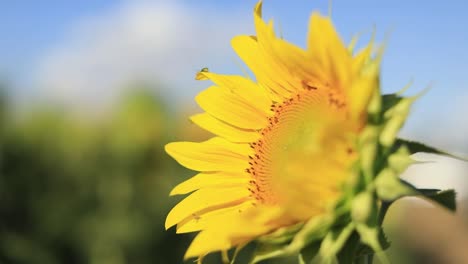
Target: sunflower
pixel 285 144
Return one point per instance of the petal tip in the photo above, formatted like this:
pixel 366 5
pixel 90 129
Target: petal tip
pixel 170 148
pixel 258 8
pixel 168 224
pixel 174 192
pixel 171 220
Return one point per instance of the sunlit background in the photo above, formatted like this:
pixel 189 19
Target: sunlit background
pixel 91 91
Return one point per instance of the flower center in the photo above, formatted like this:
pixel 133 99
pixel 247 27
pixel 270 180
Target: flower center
pixel 304 153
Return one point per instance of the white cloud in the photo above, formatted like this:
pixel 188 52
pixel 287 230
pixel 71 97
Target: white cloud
pixel 162 42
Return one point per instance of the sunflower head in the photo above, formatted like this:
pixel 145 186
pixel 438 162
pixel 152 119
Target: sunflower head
pixel 291 148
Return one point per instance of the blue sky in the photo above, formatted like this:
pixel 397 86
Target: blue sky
pixel 28 28
pixel 427 43
pixel 432 33
pixel 427 40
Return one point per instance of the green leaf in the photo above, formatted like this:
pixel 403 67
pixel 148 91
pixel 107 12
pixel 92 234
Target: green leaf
pixel 349 252
pixel 243 253
pixel 310 251
pixel 415 147
pixel 390 100
pixel 444 198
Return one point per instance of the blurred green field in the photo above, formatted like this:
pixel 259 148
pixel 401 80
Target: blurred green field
pixel 88 189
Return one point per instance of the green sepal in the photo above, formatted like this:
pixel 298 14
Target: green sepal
pixel 266 251
pixel 400 160
pixel 389 187
pixel 281 235
pixel 368 150
pixel 363 207
pixel 364 250
pixel 355 251
pixel 365 215
pixel 370 236
pixel 395 111
pixel 374 108
pixel 388 184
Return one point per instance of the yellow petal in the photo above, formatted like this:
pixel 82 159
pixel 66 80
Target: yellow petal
pixel 243 149
pixel 211 155
pixel 231 108
pixel 206 200
pixel 361 58
pixel 211 179
pixel 205 243
pixel 327 49
pixel 224 130
pixel 280 66
pixel 362 89
pixel 249 51
pixel 234 230
pixel 213 218
pixel 245 88
pixel 292 63
pixel 264 31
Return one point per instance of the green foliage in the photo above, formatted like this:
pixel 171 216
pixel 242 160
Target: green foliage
pixel 415 147
pixel 444 198
pixel 76 189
